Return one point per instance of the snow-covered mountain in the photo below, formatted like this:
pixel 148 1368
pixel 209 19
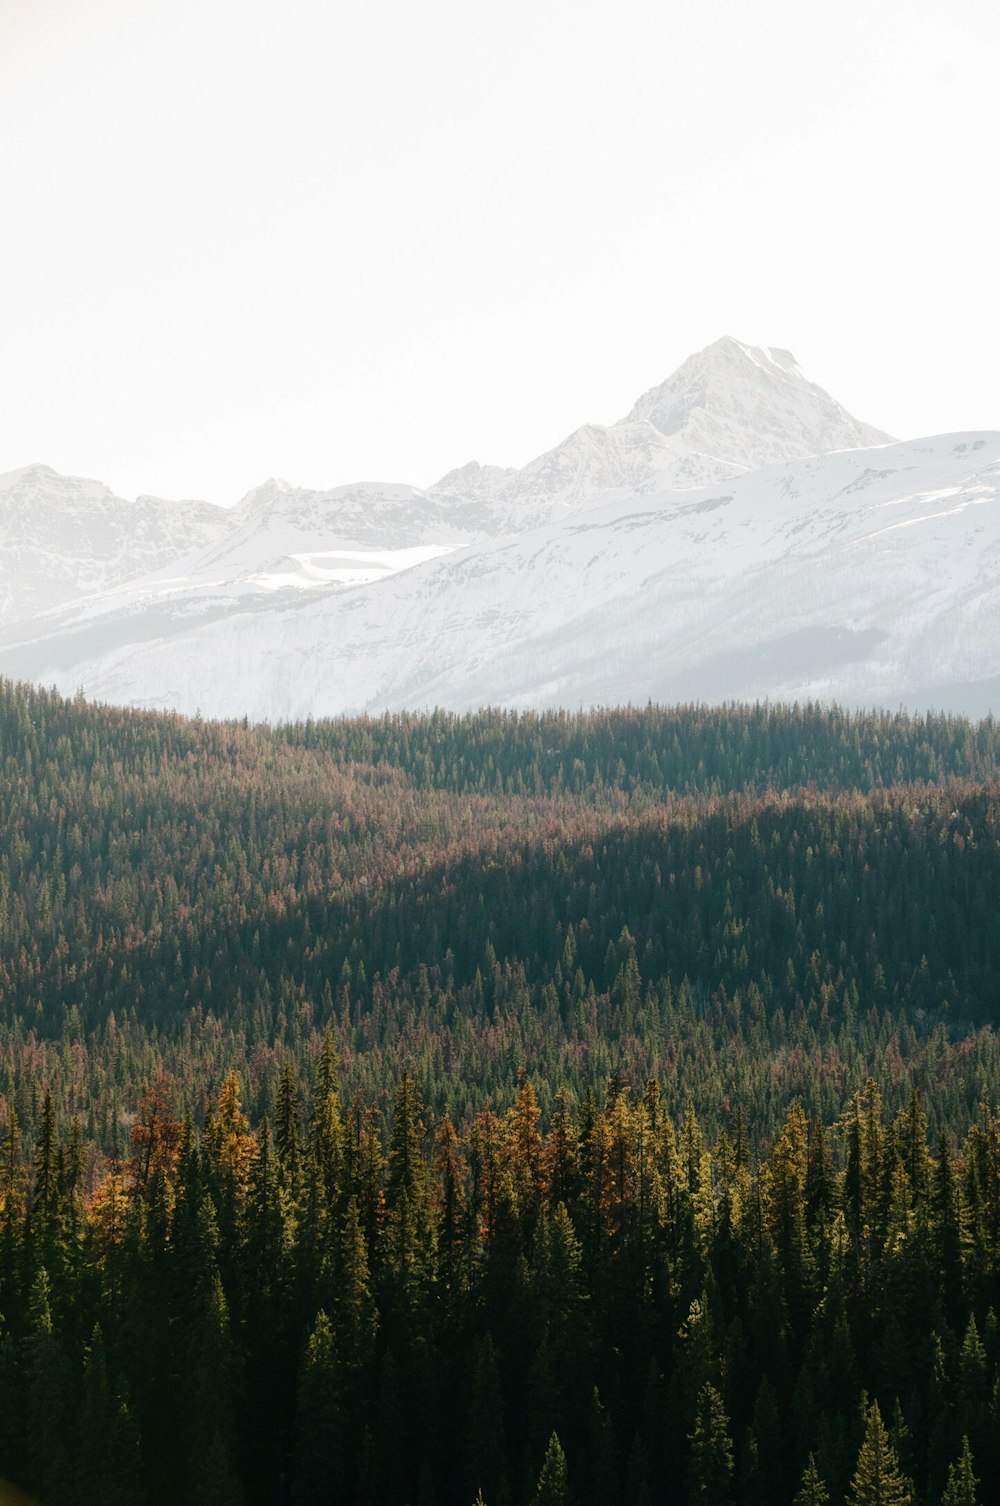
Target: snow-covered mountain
pixel 280 536
pixel 62 537
pixel 731 408
pixel 749 406
pixel 850 568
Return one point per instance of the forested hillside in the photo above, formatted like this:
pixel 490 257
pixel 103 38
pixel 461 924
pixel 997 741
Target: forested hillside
pixel 567 1108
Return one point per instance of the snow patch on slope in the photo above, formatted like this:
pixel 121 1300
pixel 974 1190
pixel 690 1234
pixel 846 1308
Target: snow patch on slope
pixel 819 577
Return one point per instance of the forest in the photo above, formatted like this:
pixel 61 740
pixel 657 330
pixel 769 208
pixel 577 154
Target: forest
pixel 524 1109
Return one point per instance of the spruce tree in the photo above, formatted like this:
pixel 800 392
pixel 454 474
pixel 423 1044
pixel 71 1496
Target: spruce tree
pixel 317 1464
pixel 812 1491
pixel 47 1399
pixel 326 1128
pixel 356 1315
pixel 711 1462
pixel 286 1123
pixel 553 1482
pixel 878 1479
pixel 410 1215
pixel 602 1470
pixel 962 1483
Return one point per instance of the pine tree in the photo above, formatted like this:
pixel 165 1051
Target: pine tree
pixel 553 1482
pixel 286 1124
pixel 878 1480
pixel 356 1316
pixel 450 1210
pixel 47 1223
pixel 561 1157
pixel 602 1470
pixel 12 1207
pixel 107 1456
pixel 525 1157
pixel 785 1205
pixel 962 1483
pixel 317 1467
pixel 47 1399
pixel 156 1137
pixel 946 1199
pixel 409 1231
pixel 812 1491
pixel 560 1268
pixel 326 1128
pixel 711 1462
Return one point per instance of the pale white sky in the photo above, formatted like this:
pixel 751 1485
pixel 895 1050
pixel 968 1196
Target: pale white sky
pixel 241 238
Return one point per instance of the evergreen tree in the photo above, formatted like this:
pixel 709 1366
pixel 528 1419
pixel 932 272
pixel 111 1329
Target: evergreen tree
pixel 47 1399
pixel 317 1464
pixel 357 1318
pixel 286 1124
pixel 602 1471
pixel 326 1128
pixel 553 1482
pixel 878 1480
pixel 962 1483
pixel 711 1462
pixel 409 1233
pixel 812 1491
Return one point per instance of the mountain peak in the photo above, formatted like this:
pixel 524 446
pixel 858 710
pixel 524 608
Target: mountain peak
pixel 262 496
pixel 750 405
pixel 734 354
pixel 729 408
pixel 27 473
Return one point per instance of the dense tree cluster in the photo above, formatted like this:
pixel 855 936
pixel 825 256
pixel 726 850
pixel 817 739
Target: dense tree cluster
pixel 595 1197
pixel 610 1309
pixel 690 750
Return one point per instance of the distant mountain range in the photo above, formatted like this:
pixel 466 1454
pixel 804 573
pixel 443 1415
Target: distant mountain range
pixel 737 535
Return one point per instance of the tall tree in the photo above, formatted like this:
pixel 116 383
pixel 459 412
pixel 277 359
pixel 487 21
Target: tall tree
pixel 878 1479
pixel 812 1491
pixel 710 1467
pixel 962 1486
pixel 317 1462
pixel 553 1481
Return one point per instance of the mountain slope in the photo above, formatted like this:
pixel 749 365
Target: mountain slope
pixel 727 409
pixel 63 537
pixel 657 557
pixel 286 537
pixel 823 577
